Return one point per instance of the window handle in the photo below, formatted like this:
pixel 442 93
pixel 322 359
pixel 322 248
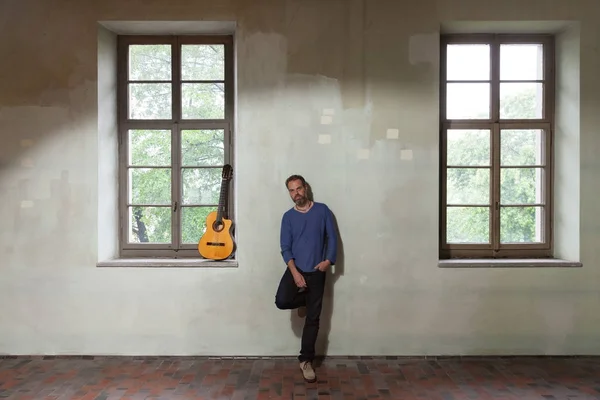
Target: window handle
pixel 175 207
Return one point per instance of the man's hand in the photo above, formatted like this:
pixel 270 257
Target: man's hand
pixel 299 279
pixel 323 265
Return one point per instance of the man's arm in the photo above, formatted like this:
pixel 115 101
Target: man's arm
pixel 286 251
pixel 285 239
pixel 332 237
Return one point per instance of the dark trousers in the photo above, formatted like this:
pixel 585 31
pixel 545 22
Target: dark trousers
pixel 288 297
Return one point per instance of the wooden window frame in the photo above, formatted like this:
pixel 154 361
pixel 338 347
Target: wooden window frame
pixel 495 249
pixel 176 124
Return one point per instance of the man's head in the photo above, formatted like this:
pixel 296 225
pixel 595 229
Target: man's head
pixel 297 188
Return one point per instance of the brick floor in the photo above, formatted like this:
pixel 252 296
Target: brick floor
pixel 106 378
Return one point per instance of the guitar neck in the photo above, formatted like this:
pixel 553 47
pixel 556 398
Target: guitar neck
pixel 221 211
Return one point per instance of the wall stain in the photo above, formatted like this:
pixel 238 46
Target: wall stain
pixel 44 58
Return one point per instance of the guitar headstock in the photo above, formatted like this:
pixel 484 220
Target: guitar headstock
pixel 227 172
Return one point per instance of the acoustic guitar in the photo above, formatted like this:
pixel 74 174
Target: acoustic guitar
pixel 217 242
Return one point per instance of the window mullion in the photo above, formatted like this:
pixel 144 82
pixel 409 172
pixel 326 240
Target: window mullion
pixel 495 189
pixel 176 186
pixel 495 103
pixel 176 146
pixel 176 80
pixel 495 79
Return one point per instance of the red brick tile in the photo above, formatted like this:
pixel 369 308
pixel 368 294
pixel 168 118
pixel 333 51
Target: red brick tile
pixel 58 378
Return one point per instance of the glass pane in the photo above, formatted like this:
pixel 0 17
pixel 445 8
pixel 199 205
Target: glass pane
pixel 150 147
pixel 201 185
pixel 203 147
pixel 150 186
pixel 521 147
pixel 150 101
pixel 468 186
pixel 468 147
pixel 521 186
pixel 150 62
pixel 521 100
pixel 521 62
pixel 193 223
pixel 521 224
pixel 203 100
pixel 150 224
pixel 468 101
pixel 467 225
pixel 468 62
pixel 204 62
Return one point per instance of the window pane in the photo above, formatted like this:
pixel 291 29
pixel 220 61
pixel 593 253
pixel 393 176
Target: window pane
pixel 468 147
pixel 467 225
pixel 193 223
pixel 203 100
pixel 150 224
pixel 521 186
pixel 205 62
pixel 468 101
pixel 203 147
pixel 150 186
pixel 201 185
pixel 468 186
pixel 150 62
pixel 521 224
pixel 521 147
pixel 521 100
pixel 469 62
pixel 521 62
pixel 150 147
pixel 150 101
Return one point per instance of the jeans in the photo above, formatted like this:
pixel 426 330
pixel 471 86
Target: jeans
pixel 288 297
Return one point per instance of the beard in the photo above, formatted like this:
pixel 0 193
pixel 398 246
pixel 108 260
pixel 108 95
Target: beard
pixel 301 200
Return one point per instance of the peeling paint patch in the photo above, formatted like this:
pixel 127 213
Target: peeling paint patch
pixel 423 48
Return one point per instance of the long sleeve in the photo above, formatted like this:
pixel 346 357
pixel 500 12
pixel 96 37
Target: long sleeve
pixel 285 239
pixel 332 237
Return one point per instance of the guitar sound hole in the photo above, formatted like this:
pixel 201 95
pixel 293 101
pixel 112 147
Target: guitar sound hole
pixel 218 226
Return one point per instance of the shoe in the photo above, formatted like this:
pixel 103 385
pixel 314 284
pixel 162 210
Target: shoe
pixel 308 372
pixel 302 312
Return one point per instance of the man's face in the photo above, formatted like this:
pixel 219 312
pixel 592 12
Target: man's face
pixel 297 192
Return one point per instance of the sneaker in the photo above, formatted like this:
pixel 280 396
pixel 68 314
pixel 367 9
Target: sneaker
pixel 308 372
pixel 302 312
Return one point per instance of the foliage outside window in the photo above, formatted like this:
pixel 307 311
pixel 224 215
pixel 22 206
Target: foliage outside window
pixel 175 129
pixel 496 146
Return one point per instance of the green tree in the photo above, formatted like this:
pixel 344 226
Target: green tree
pixel 518 185
pixel 151 188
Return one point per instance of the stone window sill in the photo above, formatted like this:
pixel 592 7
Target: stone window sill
pixel 508 263
pixel 167 263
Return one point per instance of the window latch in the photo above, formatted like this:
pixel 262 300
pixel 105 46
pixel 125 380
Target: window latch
pixel 175 207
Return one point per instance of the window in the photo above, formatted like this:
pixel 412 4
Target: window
pixel 175 99
pixel 497 111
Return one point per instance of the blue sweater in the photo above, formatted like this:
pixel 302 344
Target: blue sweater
pixel 308 238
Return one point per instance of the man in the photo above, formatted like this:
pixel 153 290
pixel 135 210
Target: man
pixel 308 246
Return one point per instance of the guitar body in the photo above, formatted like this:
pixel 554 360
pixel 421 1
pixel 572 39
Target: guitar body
pixel 217 242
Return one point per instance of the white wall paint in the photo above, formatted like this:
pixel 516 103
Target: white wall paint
pixel 567 140
pixel 389 296
pixel 108 146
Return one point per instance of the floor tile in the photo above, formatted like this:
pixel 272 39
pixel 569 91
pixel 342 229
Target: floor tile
pixel 108 378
